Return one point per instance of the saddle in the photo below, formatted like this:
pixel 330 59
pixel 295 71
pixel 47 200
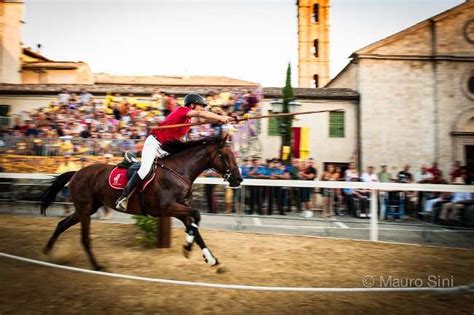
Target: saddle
pixel 120 175
pixel 130 163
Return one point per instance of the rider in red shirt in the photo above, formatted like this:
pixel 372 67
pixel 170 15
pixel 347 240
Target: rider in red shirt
pixel 194 105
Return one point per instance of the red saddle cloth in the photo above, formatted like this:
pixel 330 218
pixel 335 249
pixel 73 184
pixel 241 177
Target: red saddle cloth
pixel 118 179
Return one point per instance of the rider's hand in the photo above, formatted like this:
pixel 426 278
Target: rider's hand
pixel 225 119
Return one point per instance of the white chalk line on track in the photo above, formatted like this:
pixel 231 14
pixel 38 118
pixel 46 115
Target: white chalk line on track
pixel 456 289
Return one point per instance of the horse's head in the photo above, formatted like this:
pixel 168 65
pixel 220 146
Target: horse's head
pixel 223 161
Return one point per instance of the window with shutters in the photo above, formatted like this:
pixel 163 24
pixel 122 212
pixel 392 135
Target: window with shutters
pixel 274 126
pixel 336 124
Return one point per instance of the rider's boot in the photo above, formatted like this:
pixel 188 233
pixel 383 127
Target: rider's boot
pixel 133 183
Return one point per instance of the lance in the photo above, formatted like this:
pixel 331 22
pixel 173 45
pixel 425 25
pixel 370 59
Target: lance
pixel 245 118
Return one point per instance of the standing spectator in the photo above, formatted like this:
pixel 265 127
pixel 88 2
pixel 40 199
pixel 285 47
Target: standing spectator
pixel 209 191
pixel 351 172
pixel 456 171
pixel 308 172
pixel 84 97
pixel 64 97
pixel 384 176
pixel 251 100
pixel 295 192
pixel 275 193
pixel 259 170
pixel 423 176
pixel 329 174
pixel 437 173
pixel 370 176
pixel 404 176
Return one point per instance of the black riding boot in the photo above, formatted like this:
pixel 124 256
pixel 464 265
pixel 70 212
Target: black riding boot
pixel 133 183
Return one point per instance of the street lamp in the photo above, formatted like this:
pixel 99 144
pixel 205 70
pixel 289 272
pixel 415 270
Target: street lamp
pixel 279 106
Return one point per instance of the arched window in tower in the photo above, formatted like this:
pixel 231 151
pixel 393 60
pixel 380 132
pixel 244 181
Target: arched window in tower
pixel 316 48
pixel 316 81
pixel 316 12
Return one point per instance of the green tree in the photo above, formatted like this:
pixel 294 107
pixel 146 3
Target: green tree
pixel 286 122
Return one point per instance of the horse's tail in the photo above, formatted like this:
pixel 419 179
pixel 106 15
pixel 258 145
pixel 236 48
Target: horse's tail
pixel 50 193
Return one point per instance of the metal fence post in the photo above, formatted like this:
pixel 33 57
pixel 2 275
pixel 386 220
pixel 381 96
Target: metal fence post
pixel 374 232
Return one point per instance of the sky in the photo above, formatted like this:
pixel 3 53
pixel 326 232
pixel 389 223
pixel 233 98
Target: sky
pixel 244 39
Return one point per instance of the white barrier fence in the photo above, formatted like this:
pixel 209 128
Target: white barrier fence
pixel 375 188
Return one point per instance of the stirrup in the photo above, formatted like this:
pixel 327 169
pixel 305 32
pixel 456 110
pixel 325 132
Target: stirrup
pixel 122 204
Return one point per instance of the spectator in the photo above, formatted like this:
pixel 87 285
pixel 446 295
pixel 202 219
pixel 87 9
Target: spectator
pixel 370 176
pixel 437 173
pixel 423 176
pixel 328 194
pixel 351 172
pixel 64 97
pixel 295 192
pixel 384 176
pixel 456 171
pixel 449 210
pixel 308 172
pixel 209 191
pixel 84 97
pixel 404 176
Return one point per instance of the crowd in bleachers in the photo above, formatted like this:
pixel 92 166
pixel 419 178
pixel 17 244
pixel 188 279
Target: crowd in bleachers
pixel 74 122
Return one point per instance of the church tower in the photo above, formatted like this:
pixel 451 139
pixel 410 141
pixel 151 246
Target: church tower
pixel 313 43
pixel 11 15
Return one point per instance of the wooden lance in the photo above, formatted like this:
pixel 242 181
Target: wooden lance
pixel 239 119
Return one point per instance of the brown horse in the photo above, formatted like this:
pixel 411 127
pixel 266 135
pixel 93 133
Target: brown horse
pixel 168 195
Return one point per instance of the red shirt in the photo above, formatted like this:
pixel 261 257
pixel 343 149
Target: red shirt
pixel 178 116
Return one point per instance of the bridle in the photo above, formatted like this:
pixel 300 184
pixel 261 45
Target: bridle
pixel 227 174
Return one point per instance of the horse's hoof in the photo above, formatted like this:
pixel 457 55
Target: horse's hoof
pixel 186 252
pixel 46 250
pixel 216 264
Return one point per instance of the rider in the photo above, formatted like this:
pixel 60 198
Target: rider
pixel 194 105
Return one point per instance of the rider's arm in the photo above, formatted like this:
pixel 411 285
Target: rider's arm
pixel 208 116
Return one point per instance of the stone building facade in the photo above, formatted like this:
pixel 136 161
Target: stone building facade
pixel 417 93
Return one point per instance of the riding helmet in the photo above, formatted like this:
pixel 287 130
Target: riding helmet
pixel 194 99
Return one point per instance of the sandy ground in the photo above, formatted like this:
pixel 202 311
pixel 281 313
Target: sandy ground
pixel 249 259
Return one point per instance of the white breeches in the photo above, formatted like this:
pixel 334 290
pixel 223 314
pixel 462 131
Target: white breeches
pixel 151 150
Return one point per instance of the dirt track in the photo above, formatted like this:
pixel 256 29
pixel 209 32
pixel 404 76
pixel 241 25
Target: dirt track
pixel 250 259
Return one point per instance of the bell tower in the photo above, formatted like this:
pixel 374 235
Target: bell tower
pixel 11 15
pixel 313 43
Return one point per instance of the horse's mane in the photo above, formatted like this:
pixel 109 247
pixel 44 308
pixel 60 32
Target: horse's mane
pixel 178 146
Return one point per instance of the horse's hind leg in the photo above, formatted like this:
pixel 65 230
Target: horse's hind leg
pixel 62 226
pixel 86 211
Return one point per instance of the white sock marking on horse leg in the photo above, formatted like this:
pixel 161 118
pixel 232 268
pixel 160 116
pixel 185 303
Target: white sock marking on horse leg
pixel 206 253
pixel 189 239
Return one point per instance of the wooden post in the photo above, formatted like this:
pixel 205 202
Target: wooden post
pixel 163 239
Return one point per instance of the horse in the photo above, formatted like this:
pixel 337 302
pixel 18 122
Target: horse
pixel 168 194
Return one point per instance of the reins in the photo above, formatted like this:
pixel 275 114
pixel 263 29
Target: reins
pixel 178 175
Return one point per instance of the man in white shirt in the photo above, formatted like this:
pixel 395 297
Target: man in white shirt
pixel 370 176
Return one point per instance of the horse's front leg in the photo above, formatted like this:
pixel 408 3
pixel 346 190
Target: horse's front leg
pixel 191 219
